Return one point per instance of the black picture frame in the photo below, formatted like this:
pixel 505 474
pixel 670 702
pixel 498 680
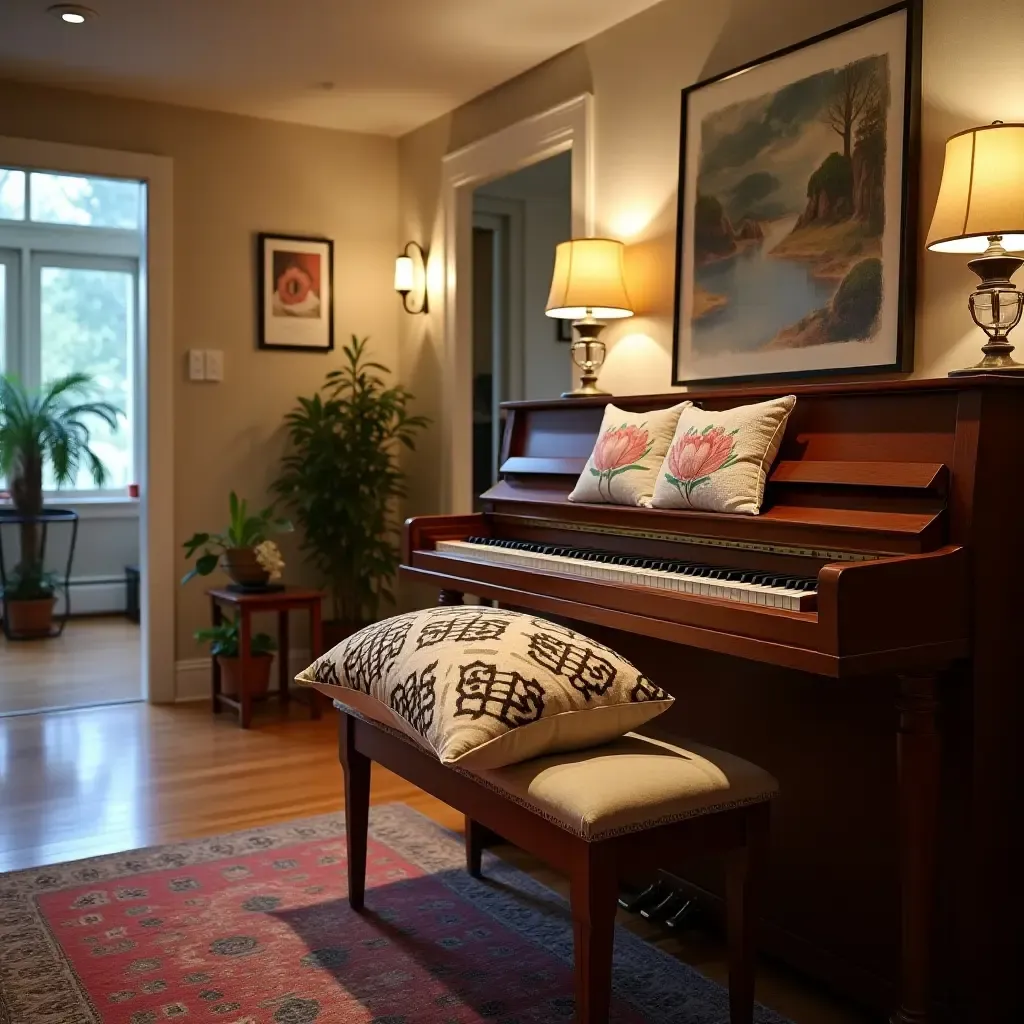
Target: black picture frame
pixel 563 329
pixel 910 164
pixel 301 331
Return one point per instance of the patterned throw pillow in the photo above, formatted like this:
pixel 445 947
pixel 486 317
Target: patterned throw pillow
pixel 719 461
pixel 485 687
pixel 624 464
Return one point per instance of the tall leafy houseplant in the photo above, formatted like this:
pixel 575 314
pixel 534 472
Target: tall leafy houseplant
pixel 48 425
pixel 341 478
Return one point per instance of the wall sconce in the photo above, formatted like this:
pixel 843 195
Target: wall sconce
pixel 411 278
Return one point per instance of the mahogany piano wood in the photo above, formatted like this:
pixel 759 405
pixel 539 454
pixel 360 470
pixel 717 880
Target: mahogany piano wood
pixel 889 707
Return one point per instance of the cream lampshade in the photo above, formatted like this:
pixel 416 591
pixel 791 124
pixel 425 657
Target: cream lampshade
pixel 587 286
pixel 980 209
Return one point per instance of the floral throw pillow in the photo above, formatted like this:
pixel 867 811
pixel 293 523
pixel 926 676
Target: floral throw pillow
pixel 630 449
pixel 719 461
pixel 487 687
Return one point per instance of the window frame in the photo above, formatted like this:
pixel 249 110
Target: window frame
pixel 10 259
pixel 32 347
pixel 25 247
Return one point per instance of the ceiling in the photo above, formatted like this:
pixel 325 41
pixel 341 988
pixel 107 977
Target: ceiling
pixel 383 66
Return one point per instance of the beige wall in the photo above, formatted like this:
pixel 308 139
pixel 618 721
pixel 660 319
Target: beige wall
pixel 233 177
pixel 635 72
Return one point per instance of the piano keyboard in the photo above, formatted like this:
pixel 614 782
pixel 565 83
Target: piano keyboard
pixel 748 586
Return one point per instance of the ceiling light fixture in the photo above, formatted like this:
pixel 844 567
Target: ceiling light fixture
pixel 72 14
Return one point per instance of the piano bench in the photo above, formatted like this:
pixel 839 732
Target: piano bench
pixel 635 803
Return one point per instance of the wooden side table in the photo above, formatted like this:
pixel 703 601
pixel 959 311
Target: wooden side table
pixel 245 605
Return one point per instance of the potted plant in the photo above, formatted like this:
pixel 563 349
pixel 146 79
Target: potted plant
pixel 224 646
pixel 341 478
pixel 43 426
pixel 244 550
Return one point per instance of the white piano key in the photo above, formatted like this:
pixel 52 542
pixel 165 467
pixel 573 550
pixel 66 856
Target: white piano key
pixel 677 582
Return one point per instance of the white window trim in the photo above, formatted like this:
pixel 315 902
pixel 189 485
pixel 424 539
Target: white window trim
pixel 156 506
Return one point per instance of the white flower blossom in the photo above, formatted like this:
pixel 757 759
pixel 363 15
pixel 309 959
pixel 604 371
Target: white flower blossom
pixel 268 554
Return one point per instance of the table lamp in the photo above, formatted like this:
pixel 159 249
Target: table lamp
pixel 588 286
pixel 980 209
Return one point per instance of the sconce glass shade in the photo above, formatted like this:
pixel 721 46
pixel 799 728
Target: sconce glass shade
pixel 588 281
pixel 403 274
pixel 411 278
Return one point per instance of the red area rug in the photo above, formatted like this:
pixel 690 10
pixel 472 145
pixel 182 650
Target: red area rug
pixel 254 928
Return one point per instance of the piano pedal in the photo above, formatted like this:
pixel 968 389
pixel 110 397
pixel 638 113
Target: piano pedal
pixel 685 917
pixel 654 893
pixel 672 903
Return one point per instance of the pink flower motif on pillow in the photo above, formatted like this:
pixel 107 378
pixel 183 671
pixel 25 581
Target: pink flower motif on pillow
pixel 694 457
pixel 617 450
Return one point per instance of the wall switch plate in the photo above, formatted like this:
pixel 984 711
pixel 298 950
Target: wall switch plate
pixel 196 364
pixel 215 364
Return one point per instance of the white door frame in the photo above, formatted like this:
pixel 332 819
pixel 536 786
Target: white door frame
pixel 505 217
pixel 156 476
pixel 569 126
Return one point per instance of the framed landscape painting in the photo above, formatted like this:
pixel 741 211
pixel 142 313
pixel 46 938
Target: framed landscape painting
pixel 296 301
pixel 796 230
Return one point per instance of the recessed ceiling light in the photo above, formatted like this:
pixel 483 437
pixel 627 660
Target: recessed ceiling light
pixel 72 14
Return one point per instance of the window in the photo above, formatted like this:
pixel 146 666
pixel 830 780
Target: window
pixel 70 249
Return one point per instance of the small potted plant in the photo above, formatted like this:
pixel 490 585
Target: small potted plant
pixel 224 646
pixel 49 425
pixel 341 478
pixel 244 550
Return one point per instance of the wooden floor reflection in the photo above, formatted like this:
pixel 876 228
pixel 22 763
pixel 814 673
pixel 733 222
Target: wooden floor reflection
pixel 102 780
pixel 94 661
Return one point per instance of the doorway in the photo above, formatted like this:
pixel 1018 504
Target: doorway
pixel 88 257
pixel 518 351
pixel 560 130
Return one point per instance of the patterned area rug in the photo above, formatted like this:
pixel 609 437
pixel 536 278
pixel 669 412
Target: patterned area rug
pixel 254 927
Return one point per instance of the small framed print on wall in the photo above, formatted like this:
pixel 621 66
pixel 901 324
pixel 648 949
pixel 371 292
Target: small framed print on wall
pixel 296 297
pixel 796 242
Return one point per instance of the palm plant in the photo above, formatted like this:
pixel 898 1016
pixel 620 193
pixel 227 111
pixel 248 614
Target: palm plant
pixel 342 479
pixel 40 426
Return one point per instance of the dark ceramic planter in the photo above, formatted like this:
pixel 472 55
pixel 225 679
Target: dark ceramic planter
pixel 244 568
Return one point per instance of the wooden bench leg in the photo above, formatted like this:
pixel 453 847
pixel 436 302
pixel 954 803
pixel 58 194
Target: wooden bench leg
pixel 478 838
pixel 357 809
pixel 743 868
pixel 594 894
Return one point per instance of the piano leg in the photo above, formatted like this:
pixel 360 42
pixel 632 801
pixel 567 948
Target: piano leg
pixel 918 751
pixel 448 597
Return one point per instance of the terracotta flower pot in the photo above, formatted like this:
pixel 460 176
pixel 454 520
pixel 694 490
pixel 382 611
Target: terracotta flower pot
pixel 27 619
pixel 257 682
pixel 242 565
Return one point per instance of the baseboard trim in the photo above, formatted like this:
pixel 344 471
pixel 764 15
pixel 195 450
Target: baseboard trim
pixel 193 677
pixel 95 595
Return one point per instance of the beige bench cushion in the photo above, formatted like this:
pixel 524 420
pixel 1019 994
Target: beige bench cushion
pixel 631 784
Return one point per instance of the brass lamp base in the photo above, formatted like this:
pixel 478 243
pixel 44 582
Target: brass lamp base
pixel 588 354
pixel 996 306
pixel 589 387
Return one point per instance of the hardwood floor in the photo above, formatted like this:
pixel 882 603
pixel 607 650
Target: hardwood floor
pixel 95 661
pixel 82 783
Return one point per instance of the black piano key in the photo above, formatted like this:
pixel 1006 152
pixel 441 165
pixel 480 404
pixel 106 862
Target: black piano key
pixel 677 566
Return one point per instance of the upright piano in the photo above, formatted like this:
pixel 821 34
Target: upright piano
pixel 860 639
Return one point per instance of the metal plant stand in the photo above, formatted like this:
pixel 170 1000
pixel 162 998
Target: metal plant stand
pixel 12 517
